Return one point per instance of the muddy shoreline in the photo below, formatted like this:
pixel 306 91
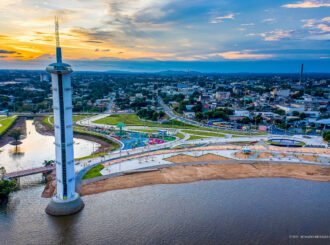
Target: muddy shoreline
pixel 44 129
pixel 193 173
pixel 19 123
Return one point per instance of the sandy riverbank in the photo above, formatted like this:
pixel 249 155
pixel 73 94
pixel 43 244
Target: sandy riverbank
pixel 192 173
pixel 44 129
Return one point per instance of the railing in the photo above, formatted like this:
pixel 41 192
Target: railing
pixel 26 172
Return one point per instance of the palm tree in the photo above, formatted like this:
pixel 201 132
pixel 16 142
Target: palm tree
pixel 48 163
pixel 120 126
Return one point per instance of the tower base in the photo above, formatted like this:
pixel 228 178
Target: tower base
pixel 58 207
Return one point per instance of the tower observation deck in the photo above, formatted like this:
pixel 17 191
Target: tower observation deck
pixel 66 201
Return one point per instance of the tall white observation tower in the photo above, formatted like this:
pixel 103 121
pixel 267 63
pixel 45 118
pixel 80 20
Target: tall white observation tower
pixel 66 201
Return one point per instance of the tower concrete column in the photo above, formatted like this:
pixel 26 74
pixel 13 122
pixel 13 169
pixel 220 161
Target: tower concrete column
pixel 66 201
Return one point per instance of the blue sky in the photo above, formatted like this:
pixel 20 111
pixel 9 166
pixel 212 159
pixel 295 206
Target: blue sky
pixel 157 35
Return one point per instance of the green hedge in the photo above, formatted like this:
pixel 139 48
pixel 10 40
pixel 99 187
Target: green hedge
pixel 6 124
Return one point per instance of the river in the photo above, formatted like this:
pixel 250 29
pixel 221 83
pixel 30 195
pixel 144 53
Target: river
pixel 248 211
pixel 36 148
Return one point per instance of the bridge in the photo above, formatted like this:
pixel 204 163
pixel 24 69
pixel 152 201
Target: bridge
pixel 26 172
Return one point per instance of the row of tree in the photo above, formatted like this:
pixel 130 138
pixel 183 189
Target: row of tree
pixel 150 114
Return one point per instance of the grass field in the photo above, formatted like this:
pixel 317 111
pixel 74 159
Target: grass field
pixel 196 137
pixel 127 119
pixel 5 123
pixel 75 118
pixel 179 135
pixel 93 172
pixel 91 156
pixel 146 130
pixel 133 120
pixel 203 133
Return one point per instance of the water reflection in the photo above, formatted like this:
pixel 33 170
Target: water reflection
pixel 16 152
pixel 36 148
pixel 249 211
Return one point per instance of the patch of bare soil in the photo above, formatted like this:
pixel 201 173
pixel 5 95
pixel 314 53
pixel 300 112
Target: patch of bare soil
pixel 185 174
pixel 309 158
pixel 183 158
pixel 265 155
pixel 282 155
pixel 242 155
pixel 50 187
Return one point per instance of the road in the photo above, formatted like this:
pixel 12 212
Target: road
pixel 169 112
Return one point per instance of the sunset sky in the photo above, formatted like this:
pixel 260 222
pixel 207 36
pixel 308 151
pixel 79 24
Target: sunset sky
pixel 152 35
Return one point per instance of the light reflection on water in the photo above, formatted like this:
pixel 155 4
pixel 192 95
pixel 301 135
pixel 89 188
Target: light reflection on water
pixel 250 211
pixel 36 148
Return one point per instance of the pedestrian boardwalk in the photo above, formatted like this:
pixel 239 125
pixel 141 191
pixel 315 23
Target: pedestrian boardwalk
pixel 27 172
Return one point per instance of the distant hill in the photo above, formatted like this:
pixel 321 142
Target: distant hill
pixel 168 72
pixel 171 72
pixel 119 72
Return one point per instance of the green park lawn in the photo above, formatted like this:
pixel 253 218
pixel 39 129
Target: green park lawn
pixel 93 172
pixel 75 118
pixel 179 135
pixel 5 123
pixel 200 133
pixel 127 119
pixel 133 120
pixel 146 130
pixel 196 137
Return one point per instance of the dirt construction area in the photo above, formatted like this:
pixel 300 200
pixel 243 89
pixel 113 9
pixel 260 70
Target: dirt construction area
pixel 183 158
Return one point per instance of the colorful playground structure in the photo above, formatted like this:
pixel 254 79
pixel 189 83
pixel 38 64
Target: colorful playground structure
pixel 131 139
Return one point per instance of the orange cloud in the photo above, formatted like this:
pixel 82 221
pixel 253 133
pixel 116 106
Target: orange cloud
pixel 308 4
pixel 243 55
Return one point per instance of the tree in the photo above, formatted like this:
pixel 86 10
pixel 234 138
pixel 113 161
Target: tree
pixel 16 134
pixel 155 116
pixel 246 120
pixel 326 135
pixel 199 116
pixel 198 107
pixel 6 187
pixel 295 113
pixel 2 172
pixel 161 114
pixel 280 112
pixel 323 109
pixel 48 163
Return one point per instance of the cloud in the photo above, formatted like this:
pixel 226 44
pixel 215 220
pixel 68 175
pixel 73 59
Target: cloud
pixel 308 4
pixel 220 19
pixel 248 24
pixel 243 55
pixel 318 26
pixel 277 35
pixel 7 52
pixel 92 41
pixel 269 20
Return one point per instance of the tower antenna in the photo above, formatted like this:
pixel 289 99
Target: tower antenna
pixel 57 35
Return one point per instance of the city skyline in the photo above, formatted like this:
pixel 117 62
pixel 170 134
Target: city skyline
pixel 231 36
